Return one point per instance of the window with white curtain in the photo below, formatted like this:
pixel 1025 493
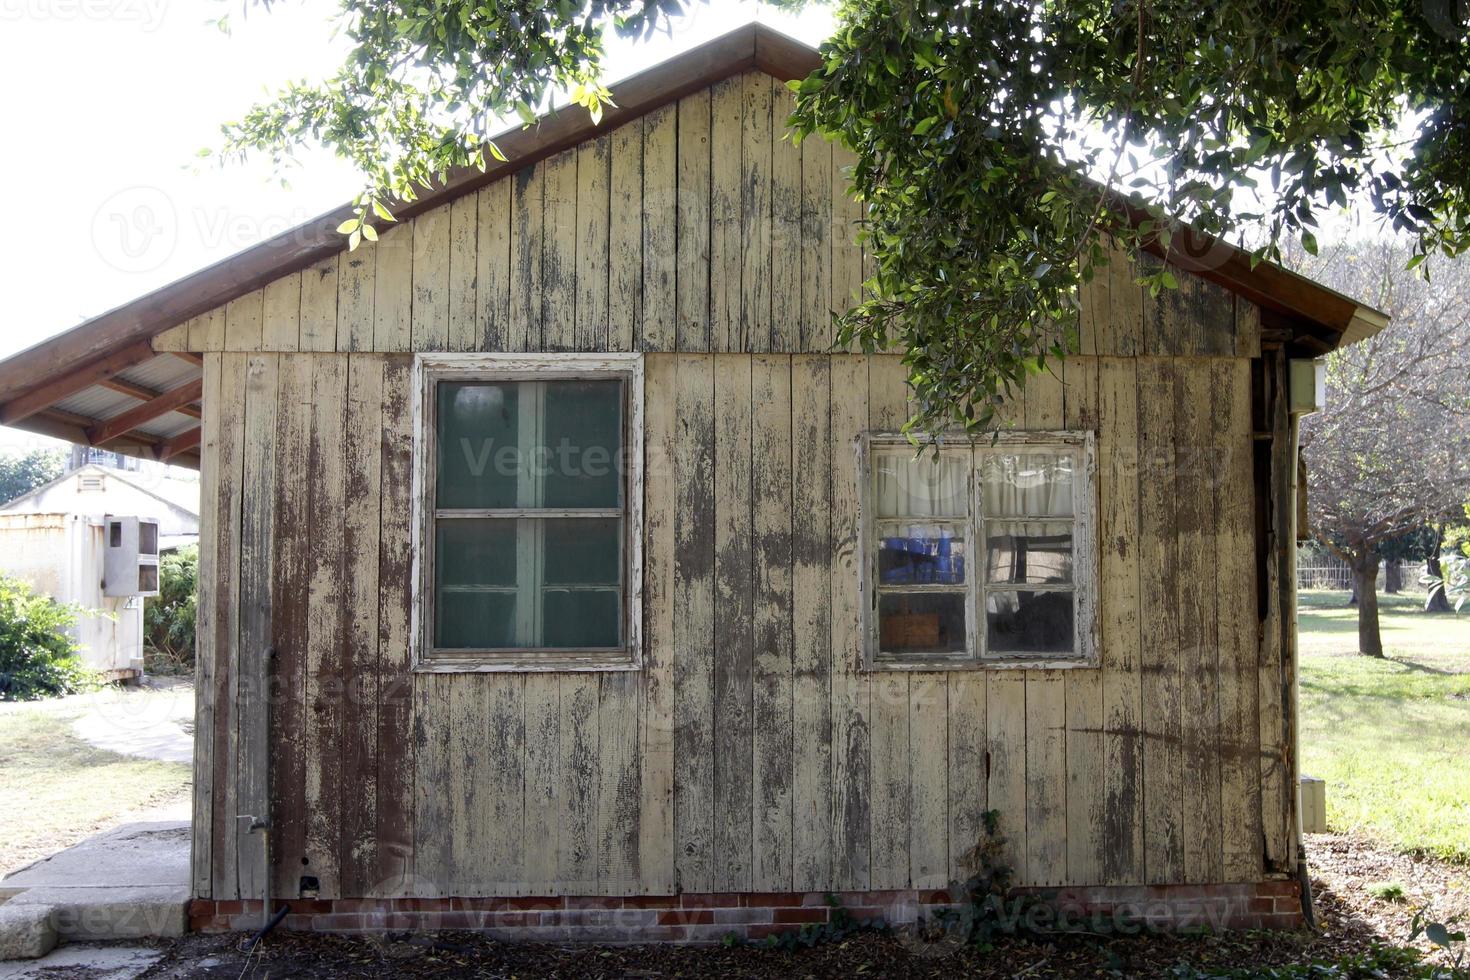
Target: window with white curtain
pixel 980 554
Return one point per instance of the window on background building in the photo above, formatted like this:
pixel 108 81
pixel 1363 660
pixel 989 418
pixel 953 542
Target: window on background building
pixel 531 524
pixel 980 554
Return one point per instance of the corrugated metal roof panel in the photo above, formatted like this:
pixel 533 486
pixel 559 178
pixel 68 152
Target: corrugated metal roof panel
pixel 162 373
pixel 96 402
pixel 168 425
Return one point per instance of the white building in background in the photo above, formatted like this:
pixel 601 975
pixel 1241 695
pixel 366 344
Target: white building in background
pixel 93 537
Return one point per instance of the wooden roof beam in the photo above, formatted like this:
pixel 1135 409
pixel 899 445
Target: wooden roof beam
pixel 69 427
pixel 182 443
pixel 169 401
pixel 93 372
pixel 143 394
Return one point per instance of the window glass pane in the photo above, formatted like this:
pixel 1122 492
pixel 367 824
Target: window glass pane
pixel 474 620
pixel 582 442
pixel 1028 553
pixel 584 618
pixel 924 622
pixel 478 455
pixel 582 551
pixel 474 552
pixel 474 583
pixel 921 486
pixel 910 554
pixel 1028 622
pixel 1032 484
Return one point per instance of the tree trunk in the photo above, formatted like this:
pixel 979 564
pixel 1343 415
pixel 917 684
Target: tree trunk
pixel 1436 601
pixel 1393 577
pixel 1365 582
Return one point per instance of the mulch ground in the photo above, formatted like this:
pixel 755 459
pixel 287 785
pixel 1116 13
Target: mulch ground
pixel 1346 868
pixel 1351 921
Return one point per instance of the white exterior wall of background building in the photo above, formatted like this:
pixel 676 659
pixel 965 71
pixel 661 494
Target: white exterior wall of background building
pixel 60 555
pixel 55 539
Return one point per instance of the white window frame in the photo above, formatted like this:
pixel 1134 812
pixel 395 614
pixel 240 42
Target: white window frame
pixel 519 367
pixel 1085 583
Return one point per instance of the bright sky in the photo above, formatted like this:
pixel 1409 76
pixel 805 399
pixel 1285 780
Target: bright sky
pixel 107 105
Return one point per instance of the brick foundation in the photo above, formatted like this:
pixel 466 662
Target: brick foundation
pixel 708 918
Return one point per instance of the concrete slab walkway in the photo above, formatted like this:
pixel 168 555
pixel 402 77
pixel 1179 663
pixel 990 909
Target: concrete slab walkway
pixel 150 725
pixel 84 961
pixel 129 883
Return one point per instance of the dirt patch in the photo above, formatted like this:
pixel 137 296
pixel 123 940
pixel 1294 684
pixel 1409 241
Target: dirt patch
pixel 868 954
pixel 1370 888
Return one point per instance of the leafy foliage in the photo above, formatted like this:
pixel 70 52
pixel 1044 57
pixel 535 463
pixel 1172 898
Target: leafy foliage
pixel 1441 934
pixel 38 658
pixel 980 129
pixel 984 133
pixel 1455 582
pixel 980 917
pixel 20 473
pixel 168 618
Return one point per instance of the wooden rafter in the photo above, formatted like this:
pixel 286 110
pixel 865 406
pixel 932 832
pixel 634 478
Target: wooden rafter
pixel 169 401
pixel 124 387
pixel 71 427
pixel 93 372
pixel 178 445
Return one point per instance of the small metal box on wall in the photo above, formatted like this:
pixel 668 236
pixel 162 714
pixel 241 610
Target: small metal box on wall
pixel 130 562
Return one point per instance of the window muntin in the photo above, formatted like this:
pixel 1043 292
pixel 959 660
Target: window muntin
pixel 979 554
pixel 527 538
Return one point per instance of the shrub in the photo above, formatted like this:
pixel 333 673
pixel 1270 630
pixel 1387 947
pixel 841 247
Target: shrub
pixel 38 657
pixel 168 618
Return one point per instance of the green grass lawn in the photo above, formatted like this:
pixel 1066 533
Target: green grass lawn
pixel 1391 736
pixel 56 789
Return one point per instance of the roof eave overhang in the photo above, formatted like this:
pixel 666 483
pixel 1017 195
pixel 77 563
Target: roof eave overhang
pixel 753 46
pixel 1317 317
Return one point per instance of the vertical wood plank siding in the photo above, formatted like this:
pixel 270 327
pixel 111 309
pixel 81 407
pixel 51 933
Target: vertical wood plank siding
pixel 752 751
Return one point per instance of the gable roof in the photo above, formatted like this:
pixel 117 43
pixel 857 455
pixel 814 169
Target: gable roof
pixel 99 354
pixel 165 491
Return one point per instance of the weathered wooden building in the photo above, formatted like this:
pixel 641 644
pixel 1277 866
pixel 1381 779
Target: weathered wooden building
pixel 558 574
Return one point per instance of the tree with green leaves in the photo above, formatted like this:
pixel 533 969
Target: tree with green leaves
pixel 983 132
pixel 169 617
pixel 20 473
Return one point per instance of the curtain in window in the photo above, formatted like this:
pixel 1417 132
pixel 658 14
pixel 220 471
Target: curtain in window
pixel 910 486
pixel 1026 485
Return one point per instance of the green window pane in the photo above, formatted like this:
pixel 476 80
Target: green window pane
pixel 475 552
pixel 582 442
pixel 581 619
pixel 478 455
pixel 582 551
pixel 474 620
